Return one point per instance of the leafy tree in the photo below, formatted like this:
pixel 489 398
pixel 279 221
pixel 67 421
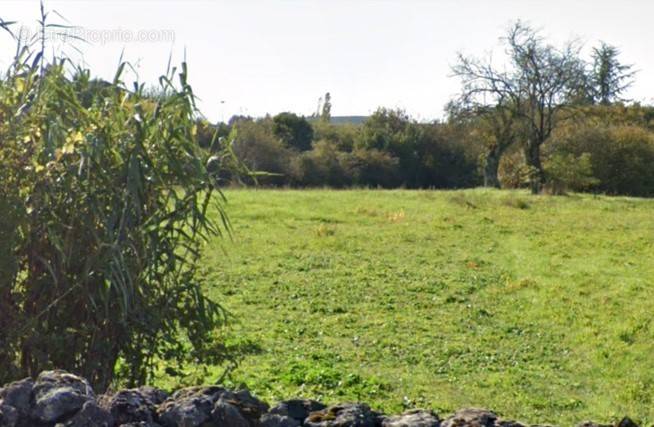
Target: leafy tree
pixel 388 130
pixel 394 132
pixel 538 85
pixel 497 127
pixel 342 136
pixel 255 144
pixel 609 78
pixel 617 114
pixel 295 131
pixel 237 118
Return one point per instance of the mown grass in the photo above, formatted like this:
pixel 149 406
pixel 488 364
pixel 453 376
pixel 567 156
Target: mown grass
pixel 540 308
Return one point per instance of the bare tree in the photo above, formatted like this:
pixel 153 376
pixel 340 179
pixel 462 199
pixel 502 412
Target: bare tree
pixel 538 83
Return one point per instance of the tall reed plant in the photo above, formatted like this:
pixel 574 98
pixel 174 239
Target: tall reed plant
pixel 103 209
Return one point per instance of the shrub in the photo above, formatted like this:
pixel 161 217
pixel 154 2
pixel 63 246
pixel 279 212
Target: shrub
pixel 621 157
pixel 374 168
pixel 565 172
pixel 104 200
pixel 323 165
pixel 446 159
pixel 256 146
pixel 513 173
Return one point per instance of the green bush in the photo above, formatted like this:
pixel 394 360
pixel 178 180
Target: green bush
pixel 342 136
pixel 513 172
pixel 446 159
pixel 294 131
pixel 256 146
pixel 621 157
pixel 566 172
pixel 104 200
pixel 374 168
pixel 324 165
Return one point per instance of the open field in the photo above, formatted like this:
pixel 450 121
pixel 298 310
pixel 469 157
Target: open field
pixel 538 307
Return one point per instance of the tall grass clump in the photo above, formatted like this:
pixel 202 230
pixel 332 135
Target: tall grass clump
pixel 103 208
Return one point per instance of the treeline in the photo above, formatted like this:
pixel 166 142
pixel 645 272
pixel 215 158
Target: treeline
pixel 603 148
pixel 388 150
pixel 548 120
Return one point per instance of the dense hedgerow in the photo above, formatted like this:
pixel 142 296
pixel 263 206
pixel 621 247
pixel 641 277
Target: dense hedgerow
pixel 607 149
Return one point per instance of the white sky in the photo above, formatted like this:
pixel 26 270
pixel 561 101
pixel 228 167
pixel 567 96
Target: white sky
pixel 270 56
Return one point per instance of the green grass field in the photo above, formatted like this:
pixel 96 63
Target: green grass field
pixel 540 308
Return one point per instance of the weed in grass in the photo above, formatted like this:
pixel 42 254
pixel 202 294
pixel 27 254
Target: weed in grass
pixel 324 230
pixel 515 202
pixel 395 217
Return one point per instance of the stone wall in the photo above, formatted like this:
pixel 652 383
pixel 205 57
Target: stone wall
pixel 61 399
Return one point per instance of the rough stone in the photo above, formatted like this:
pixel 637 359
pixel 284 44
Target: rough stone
pixel 49 380
pixel 91 415
pixel 212 392
pixel 60 399
pixel 134 405
pixel 8 416
pixel 227 414
pixel 189 407
pixel 140 424
pixel 196 405
pixel 250 407
pixel 344 415
pixel 626 422
pixel 298 409
pixel 18 394
pixel 276 420
pixel 57 404
pixel 57 395
pixel 189 411
pixel 471 417
pixel 413 418
pixel 153 395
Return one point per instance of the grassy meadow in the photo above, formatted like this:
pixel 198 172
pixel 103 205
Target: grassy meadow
pixel 538 307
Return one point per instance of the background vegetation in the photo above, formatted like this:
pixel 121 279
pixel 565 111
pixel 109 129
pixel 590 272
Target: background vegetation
pixel 601 149
pixel 551 121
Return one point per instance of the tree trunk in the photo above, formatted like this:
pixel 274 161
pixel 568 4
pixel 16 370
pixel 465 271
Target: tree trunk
pixel 532 159
pixel 491 166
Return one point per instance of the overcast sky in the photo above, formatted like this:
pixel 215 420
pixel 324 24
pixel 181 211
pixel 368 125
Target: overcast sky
pixel 268 56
